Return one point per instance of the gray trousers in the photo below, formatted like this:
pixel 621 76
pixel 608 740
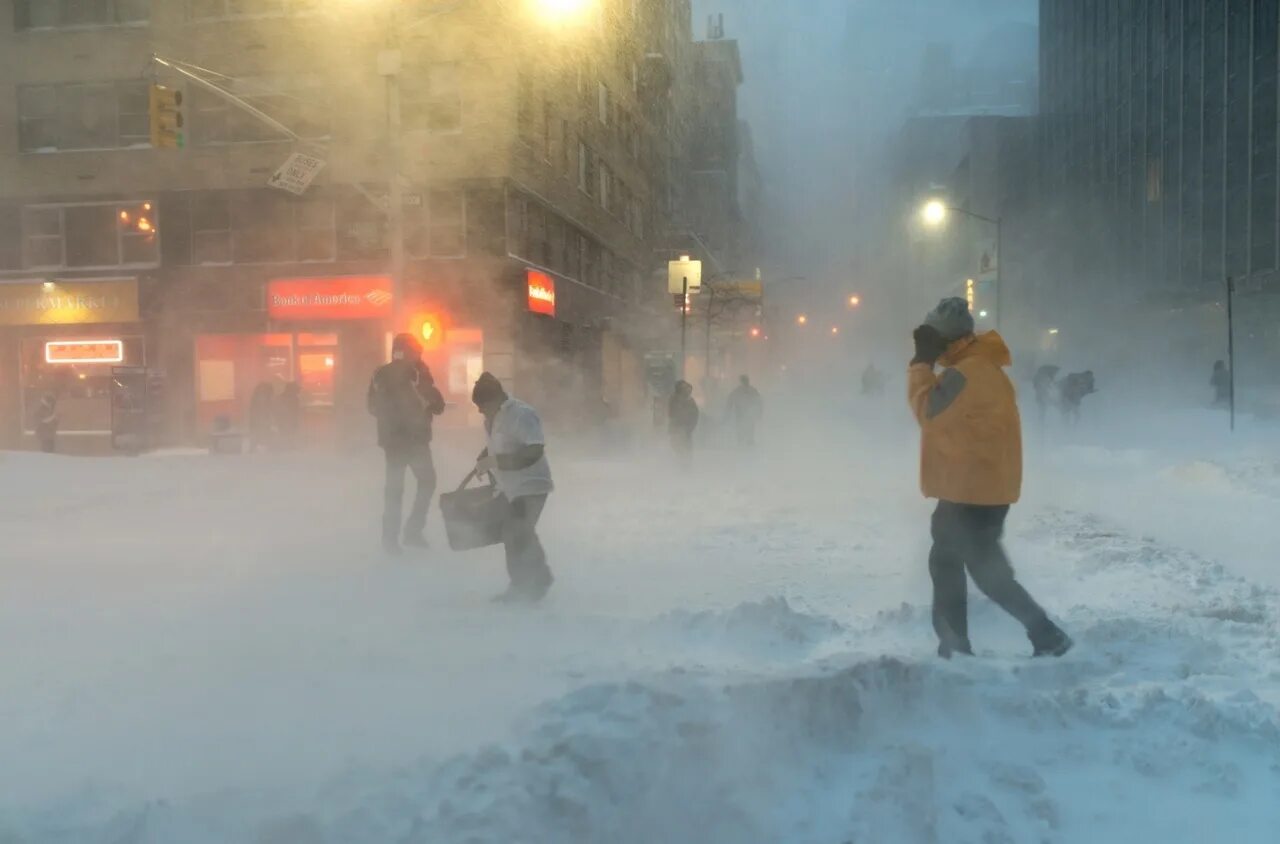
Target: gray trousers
pixel 526 558
pixel 417 459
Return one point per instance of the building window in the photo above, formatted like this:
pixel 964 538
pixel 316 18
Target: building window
pixel 107 115
pixel 362 229
pixel 210 228
pixel 10 237
pixel 433 99
pixel 296 103
pixel 314 218
pixel 224 9
pixel 604 104
pixel 90 235
pixel 447 223
pixel 268 227
pixel 588 177
pixel 524 106
pixel 59 14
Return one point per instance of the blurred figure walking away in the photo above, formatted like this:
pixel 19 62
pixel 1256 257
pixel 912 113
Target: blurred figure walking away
pixel 1221 383
pixel 46 423
pixel 516 456
pixel 288 415
pixel 971 461
pixel 261 416
pixel 682 421
pixel 1071 392
pixel 872 380
pixel 404 399
pixel 746 407
pixel 1043 383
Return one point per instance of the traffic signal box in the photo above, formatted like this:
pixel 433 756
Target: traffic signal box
pixel 166 118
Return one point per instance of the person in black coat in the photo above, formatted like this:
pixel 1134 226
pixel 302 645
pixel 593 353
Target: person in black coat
pixel 261 416
pixel 404 400
pixel 682 421
pixel 46 423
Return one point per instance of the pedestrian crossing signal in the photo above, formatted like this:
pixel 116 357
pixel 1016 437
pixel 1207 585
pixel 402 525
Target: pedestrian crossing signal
pixel 167 128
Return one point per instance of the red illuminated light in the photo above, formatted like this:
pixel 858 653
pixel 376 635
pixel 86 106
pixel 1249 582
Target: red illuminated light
pixel 541 293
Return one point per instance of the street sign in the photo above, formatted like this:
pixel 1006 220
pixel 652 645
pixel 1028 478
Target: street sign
pixel 678 271
pixel 296 174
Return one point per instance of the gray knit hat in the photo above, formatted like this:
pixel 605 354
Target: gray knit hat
pixel 951 318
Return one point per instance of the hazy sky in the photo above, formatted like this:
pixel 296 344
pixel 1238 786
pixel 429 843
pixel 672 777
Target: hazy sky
pixel 828 82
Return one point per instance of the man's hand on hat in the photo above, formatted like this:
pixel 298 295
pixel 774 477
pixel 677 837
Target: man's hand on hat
pixel 929 345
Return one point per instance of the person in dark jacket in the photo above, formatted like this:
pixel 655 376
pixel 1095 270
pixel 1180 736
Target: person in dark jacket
pixel 1220 381
pixel 1045 377
pixel 46 423
pixel 1071 392
pixel 747 408
pixel 404 399
pixel 288 414
pixel 682 421
pixel 261 416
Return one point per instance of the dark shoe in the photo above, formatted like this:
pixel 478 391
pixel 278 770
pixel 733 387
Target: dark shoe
pixel 949 642
pixel 511 595
pixel 391 548
pixel 416 540
pixel 1052 642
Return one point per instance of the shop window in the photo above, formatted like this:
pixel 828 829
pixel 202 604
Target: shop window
pixel 55 14
pixel 210 228
pixel 432 101
pixel 447 223
pixel 83 390
pixel 223 9
pixel 75 116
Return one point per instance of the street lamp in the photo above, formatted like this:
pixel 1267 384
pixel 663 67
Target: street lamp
pixel 802 320
pixel 835 329
pixel 561 11
pixel 855 301
pixel 934 213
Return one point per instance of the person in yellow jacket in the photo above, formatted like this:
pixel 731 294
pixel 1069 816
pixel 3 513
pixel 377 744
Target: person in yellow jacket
pixel 971 461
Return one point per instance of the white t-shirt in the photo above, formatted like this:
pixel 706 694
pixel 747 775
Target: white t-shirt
pixel 515 426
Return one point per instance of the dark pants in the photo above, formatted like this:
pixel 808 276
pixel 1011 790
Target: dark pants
pixel 417 459
pixel 968 536
pixel 746 429
pixel 526 559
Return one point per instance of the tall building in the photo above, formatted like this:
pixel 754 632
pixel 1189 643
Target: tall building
pixel 1159 150
pixel 540 164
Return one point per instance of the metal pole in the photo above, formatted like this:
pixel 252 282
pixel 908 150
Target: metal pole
pixel 389 66
pixel 1231 349
pixel 711 290
pixel 684 319
pixel 999 273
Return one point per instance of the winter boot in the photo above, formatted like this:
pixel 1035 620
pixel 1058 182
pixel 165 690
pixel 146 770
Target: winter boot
pixel 950 642
pixel 415 540
pixel 1050 641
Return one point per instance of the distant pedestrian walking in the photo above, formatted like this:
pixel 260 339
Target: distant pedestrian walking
pixel 404 399
pixel 1043 383
pixel 288 415
pixel 516 456
pixel 261 416
pixel 1220 381
pixel 1071 393
pixel 872 380
pixel 747 408
pixel 971 461
pixel 682 421
pixel 46 423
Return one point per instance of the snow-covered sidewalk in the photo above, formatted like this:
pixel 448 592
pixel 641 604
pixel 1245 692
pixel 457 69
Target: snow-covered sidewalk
pixel 211 650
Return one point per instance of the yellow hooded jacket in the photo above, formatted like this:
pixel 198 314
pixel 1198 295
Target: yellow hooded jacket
pixel 971 433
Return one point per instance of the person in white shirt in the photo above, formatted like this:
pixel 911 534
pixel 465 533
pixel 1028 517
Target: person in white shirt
pixel 516 456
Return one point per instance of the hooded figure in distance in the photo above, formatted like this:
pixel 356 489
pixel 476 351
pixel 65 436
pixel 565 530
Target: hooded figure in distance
pixel 971 461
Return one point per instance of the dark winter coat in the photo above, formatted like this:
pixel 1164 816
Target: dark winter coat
pixel 682 413
pixel 404 399
pixel 745 404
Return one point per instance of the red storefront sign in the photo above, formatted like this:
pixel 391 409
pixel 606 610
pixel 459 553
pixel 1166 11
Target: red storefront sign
pixel 542 293
pixel 332 298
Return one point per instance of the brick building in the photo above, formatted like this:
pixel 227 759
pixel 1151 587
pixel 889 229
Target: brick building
pixel 541 165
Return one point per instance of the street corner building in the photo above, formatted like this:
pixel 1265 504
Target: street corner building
pixel 196 196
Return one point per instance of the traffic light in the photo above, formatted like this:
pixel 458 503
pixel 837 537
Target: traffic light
pixel 166 118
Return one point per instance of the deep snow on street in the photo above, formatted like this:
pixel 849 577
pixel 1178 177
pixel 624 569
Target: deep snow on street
pixel 212 650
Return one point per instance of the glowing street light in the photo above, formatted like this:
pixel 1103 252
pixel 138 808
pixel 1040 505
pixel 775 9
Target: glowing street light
pixel 835 329
pixel 755 331
pixel 802 320
pixel 561 11
pixel 855 301
pixel 934 212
